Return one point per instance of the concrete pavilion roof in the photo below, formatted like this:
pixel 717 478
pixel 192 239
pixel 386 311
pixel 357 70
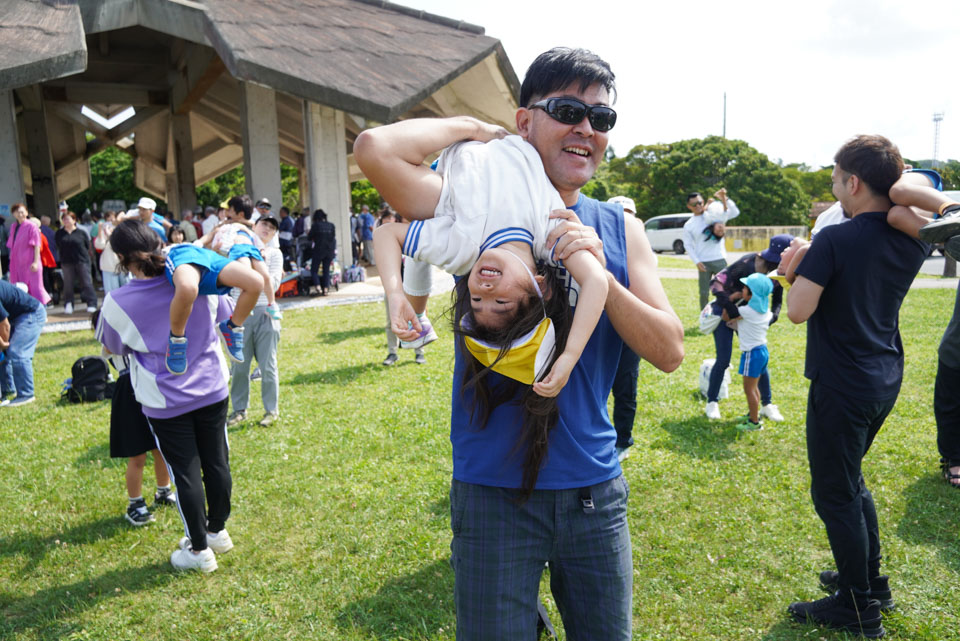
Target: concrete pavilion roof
pixel 374 59
pixel 39 40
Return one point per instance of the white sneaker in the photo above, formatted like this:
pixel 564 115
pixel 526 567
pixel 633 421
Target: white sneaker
pixel 68 308
pixel 713 411
pixel 183 558
pixel 91 309
pixel 220 542
pixel 772 412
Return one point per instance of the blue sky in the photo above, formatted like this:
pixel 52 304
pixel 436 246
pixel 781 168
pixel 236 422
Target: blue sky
pixel 800 77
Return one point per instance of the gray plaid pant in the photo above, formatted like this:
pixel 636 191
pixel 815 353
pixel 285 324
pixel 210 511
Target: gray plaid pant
pixel 499 549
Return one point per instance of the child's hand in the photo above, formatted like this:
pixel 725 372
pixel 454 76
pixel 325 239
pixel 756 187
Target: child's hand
pixel 403 320
pixel 487 132
pixel 554 381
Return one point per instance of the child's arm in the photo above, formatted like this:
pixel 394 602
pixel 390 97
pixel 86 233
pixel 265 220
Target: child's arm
pixel 592 278
pixel 917 201
pixel 392 157
pixel 388 253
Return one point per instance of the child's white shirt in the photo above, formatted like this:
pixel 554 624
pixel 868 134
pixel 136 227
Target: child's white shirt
pixel 752 327
pixel 234 234
pixel 492 193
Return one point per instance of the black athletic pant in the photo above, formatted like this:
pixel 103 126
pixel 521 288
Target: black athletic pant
pixel 946 407
pixel 840 430
pixel 625 396
pixel 195 444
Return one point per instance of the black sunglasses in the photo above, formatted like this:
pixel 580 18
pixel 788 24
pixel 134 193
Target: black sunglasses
pixel 571 111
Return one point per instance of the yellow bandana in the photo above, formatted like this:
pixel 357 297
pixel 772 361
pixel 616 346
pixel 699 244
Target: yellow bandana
pixel 526 360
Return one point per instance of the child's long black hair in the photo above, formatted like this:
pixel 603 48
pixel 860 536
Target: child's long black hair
pixel 135 243
pixel 539 414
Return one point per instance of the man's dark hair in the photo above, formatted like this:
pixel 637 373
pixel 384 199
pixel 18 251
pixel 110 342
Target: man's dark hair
pixel 562 66
pixel 873 159
pixel 242 205
pixel 694 194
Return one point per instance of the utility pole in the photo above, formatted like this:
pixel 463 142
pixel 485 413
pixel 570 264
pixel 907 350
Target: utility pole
pixel 724 114
pixel 937 118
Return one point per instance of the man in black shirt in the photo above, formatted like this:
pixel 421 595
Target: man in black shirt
pixel 849 289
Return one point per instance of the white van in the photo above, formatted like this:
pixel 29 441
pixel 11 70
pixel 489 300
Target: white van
pixel 665 233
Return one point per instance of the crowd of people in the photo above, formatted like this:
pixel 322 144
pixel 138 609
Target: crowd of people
pixel 557 300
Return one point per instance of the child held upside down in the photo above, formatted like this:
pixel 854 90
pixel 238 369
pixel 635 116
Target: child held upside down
pixel 489 226
pixel 195 271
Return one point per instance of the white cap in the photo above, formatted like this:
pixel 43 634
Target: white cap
pixel 627 203
pixel 147 203
pixel 63 205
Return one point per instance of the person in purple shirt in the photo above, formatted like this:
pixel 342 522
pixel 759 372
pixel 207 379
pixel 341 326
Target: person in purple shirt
pixel 187 414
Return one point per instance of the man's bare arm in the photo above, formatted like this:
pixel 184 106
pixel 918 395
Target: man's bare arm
pixel 642 315
pixel 392 158
pixel 802 299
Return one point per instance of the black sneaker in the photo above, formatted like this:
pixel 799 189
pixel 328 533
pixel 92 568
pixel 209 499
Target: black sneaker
pixel 879 588
pixel 138 514
pixel 952 248
pixel 835 611
pixel 165 496
pixel 944 227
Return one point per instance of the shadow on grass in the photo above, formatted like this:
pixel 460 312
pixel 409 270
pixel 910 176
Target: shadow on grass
pixel 787 630
pixel 100 454
pixel 36 546
pixel 699 437
pixel 332 338
pixel 414 606
pixel 930 518
pixel 45 614
pixel 693 332
pixel 337 376
pixel 76 342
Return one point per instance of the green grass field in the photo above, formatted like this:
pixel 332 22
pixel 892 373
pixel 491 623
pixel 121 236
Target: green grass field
pixel 341 511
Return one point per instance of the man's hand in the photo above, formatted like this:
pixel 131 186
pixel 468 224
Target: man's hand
pixel 701 267
pixel 571 235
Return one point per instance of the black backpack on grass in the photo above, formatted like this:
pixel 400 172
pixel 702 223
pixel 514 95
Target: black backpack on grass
pixel 90 382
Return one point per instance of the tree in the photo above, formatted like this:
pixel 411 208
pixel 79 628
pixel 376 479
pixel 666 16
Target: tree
pixel 659 177
pixel 362 193
pixel 111 178
pixel 816 184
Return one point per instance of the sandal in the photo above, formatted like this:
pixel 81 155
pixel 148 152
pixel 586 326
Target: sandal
pixel 953 480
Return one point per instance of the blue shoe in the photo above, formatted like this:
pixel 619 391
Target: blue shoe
pixel 233 339
pixel 176 359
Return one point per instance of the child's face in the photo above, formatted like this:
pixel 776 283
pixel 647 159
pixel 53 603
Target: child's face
pixel 498 284
pixel 745 293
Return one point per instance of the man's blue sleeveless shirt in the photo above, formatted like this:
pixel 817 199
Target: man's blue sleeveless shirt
pixel 582 445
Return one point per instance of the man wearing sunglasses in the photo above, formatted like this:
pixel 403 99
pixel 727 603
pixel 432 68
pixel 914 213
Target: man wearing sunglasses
pixel 575 518
pixel 565 114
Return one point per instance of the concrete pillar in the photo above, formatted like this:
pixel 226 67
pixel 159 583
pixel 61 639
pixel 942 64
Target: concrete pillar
pixel 173 196
pixel 11 177
pixel 186 183
pixel 324 137
pixel 261 143
pixel 304 185
pixel 43 174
